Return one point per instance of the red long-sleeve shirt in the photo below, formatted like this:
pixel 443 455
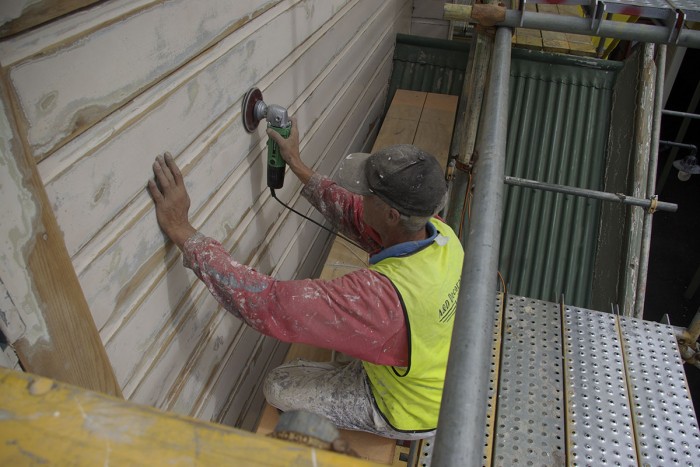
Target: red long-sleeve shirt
pixel 359 314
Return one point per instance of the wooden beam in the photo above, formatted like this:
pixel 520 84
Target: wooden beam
pixel 45 316
pixel 45 422
pixel 36 13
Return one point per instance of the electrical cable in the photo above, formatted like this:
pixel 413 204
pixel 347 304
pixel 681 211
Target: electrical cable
pixel 338 234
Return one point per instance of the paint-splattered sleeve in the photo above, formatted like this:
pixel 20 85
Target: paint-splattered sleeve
pixel 358 314
pixel 341 208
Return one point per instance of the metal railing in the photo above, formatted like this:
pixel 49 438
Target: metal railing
pixel 460 435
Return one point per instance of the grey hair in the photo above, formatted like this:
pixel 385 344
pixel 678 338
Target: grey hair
pixel 416 223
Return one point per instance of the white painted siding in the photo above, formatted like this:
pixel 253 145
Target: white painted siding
pixel 99 93
pixel 427 19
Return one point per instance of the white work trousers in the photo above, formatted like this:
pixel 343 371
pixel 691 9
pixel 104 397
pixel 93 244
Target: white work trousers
pixel 338 391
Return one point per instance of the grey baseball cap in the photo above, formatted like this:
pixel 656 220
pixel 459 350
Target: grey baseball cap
pixel 404 176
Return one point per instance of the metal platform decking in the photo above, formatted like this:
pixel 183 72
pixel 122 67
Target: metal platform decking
pixel 582 387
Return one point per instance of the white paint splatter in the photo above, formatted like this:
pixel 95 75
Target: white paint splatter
pixel 19 213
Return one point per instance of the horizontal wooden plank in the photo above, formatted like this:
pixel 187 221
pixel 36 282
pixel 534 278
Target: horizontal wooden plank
pixel 555 42
pixel 342 259
pixel 45 422
pixel 121 58
pixel 34 13
pixel 107 176
pixel 529 41
pixel 103 265
pixel 286 259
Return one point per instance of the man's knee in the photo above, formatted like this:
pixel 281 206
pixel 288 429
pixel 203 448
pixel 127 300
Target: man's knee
pixel 272 388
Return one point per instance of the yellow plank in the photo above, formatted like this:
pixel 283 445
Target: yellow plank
pixel 46 422
pixel 528 32
pixel 587 50
pixel 555 42
pixel 547 8
pixel 569 10
pixel 434 132
pixel 529 41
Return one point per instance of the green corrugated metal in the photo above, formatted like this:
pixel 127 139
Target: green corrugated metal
pixel 428 65
pixel 557 133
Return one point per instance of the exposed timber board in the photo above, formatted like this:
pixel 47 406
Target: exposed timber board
pixel 209 158
pixel 45 316
pixel 20 16
pixel 575 44
pixel 172 122
pixel 45 422
pixel 68 87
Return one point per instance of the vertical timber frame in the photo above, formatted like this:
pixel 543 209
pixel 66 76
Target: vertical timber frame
pixel 44 314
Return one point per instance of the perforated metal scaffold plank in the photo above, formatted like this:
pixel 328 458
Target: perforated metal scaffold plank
pixel 665 426
pixel 599 421
pixel 530 415
pixel 493 380
pixel 585 388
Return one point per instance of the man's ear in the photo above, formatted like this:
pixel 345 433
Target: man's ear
pixel 393 216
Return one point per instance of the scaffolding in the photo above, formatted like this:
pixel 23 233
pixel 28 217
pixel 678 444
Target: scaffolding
pixel 542 383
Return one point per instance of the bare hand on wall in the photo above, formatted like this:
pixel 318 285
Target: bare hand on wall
pixel 172 201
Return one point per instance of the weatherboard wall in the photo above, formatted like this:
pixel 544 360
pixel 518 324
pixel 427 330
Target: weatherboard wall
pixel 97 94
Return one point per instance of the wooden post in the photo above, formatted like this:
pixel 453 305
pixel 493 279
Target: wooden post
pixel 43 312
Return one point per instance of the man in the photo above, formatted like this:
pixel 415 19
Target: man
pixel 395 317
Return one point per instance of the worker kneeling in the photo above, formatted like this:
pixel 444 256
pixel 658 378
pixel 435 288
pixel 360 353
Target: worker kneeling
pixel 395 317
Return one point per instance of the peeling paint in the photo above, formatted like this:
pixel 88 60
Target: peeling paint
pixel 13 10
pixel 20 310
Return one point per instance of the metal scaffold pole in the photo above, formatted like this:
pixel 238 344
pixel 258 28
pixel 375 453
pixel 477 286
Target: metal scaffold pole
pixel 651 182
pixel 460 435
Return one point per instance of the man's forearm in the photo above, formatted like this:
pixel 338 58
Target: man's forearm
pixel 302 171
pixel 365 322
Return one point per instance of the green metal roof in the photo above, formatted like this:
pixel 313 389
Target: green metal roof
pixel 557 133
pixel 429 65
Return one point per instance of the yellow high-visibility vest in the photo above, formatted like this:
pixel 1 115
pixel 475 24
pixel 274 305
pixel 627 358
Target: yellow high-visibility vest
pixel 428 284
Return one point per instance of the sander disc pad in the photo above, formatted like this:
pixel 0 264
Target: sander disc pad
pixel 251 98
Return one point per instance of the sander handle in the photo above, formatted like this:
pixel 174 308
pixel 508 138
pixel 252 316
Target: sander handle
pixel 275 162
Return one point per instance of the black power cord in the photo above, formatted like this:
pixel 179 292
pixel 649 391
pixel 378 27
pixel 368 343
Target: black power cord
pixel 272 192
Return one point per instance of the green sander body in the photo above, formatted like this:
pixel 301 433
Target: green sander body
pixel 253 110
